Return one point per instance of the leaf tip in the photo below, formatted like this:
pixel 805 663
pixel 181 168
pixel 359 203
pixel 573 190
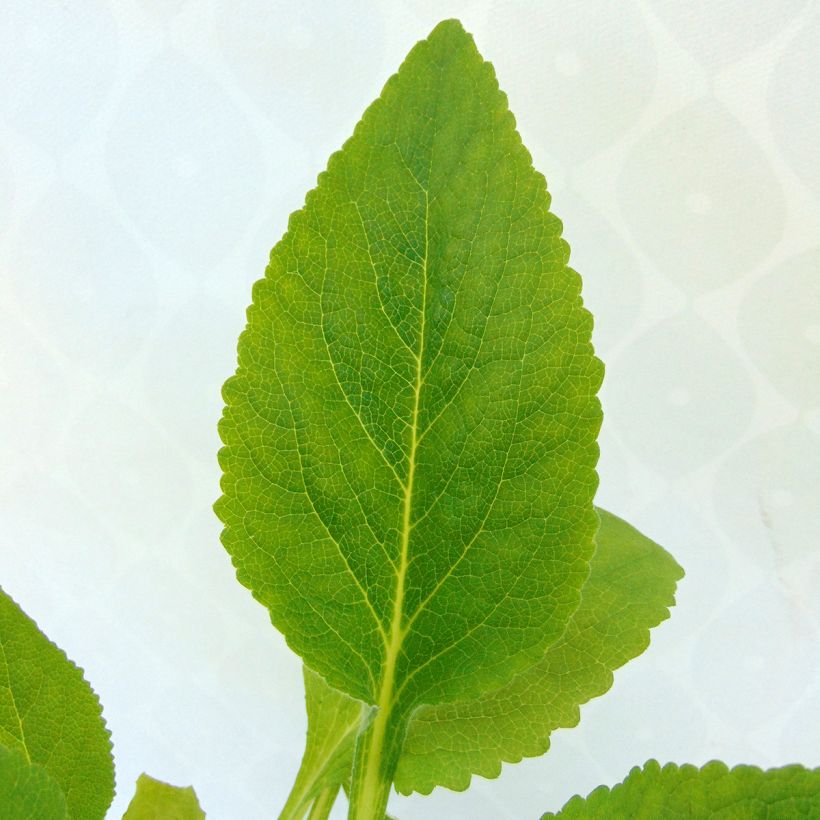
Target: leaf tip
pixel 451 27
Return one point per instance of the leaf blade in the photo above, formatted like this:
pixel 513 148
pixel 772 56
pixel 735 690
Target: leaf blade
pixel 475 389
pixel 51 715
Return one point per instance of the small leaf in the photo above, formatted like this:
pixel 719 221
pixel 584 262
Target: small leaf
pixel 155 800
pixel 50 714
pixel 630 589
pixel 27 791
pixel 713 791
pixel 410 436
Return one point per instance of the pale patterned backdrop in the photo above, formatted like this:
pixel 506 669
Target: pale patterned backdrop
pixel 150 153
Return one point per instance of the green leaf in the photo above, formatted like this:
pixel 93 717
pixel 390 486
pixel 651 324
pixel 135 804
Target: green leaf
pixel 334 721
pixel 715 791
pixel 27 791
pixel 410 437
pixel 630 589
pixel 155 800
pixel 50 714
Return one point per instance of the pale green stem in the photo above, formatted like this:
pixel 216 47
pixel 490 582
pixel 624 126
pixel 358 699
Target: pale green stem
pixel 304 787
pixel 297 802
pixel 324 803
pixel 311 773
pixel 377 755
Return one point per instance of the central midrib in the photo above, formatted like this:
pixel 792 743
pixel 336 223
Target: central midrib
pixel 393 647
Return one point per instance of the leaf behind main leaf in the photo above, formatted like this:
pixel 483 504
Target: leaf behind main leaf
pixel 410 436
pixel 50 714
pixel 630 589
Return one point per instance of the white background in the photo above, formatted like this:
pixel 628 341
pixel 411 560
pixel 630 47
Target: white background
pixel 150 153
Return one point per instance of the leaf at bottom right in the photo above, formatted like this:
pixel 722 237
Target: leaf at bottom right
pixel 715 791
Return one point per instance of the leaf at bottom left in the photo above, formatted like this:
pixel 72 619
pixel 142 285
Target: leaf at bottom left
pixel 55 749
pixel 27 790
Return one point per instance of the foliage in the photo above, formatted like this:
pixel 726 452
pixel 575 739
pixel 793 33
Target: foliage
pixel 155 800
pixel 409 476
pixel 50 714
pixel 55 749
pixel 713 791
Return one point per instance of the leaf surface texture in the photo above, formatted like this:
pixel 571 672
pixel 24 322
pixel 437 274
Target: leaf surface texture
pixel 27 791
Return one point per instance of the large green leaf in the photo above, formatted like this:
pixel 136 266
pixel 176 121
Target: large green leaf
pixel 630 589
pixel 27 791
pixel 155 800
pixel 410 437
pixel 715 791
pixel 50 714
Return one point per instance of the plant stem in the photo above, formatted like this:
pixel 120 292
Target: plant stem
pixel 324 803
pixel 328 753
pixel 378 748
pixel 297 802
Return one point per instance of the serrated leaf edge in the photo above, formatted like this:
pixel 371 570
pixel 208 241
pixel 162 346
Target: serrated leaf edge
pixel 653 767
